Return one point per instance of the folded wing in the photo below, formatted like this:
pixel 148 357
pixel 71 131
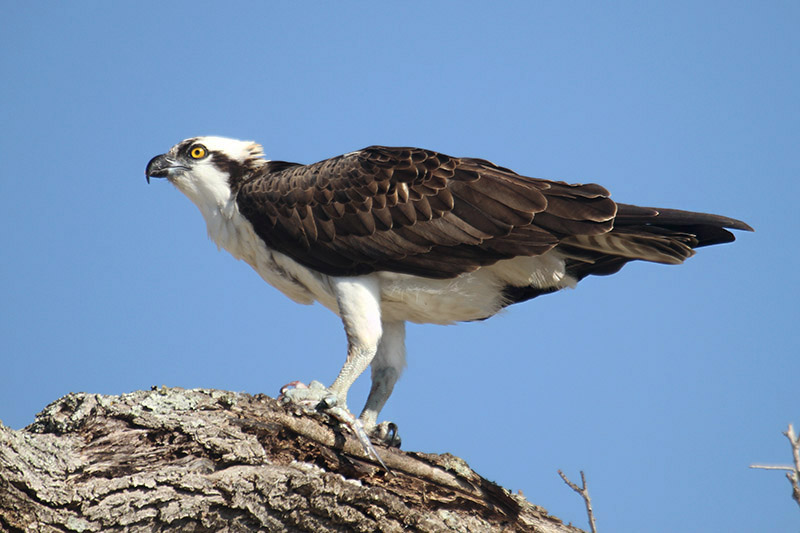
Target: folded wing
pixel 421 212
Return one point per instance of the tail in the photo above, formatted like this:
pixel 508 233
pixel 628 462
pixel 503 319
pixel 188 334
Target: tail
pixel 657 235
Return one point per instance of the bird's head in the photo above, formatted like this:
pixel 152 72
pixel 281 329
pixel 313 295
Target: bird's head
pixel 207 169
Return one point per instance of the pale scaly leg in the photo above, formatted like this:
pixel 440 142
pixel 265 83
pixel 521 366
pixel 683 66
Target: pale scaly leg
pixel 358 299
pixel 360 311
pixel 387 366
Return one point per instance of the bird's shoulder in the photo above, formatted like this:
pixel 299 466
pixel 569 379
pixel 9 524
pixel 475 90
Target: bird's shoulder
pixel 371 170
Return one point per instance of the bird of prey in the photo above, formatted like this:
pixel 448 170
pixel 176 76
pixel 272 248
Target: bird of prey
pixel 384 235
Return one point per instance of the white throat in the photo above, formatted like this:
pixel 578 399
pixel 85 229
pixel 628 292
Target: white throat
pixel 208 189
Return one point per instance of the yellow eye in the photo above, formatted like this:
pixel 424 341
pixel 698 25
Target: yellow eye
pixel 198 151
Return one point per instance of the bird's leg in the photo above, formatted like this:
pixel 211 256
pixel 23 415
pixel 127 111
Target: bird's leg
pixel 360 311
pixel 387 366
pixel 358 299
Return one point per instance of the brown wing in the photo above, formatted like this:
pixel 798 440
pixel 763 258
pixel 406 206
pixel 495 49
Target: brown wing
pixel 414 211
pixel 646 233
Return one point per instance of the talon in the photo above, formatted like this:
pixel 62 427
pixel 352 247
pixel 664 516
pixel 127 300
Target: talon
pixel 346 417
pixel 395 437
pixel 300 393
pixel 289 386
pixel 387 433
pixel 316 396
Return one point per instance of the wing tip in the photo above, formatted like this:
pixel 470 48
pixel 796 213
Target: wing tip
pixel 732 223
pixel 738 224
pixel 634 214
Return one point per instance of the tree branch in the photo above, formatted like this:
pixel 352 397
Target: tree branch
pixel 209 460
pixel 792 473
pixel 584 492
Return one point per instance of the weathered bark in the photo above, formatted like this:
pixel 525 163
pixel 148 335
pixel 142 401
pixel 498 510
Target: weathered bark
pixel 209 460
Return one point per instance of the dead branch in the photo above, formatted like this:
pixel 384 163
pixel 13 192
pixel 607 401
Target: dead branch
pixel 584 492
pixel 792 473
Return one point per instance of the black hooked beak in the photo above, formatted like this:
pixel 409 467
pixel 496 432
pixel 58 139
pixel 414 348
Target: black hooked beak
pixel 159 167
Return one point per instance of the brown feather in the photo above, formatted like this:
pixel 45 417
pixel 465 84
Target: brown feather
pixel 403 214
pixel 420 212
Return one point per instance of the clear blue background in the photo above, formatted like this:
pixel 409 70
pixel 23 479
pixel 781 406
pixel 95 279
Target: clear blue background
pixel 662 383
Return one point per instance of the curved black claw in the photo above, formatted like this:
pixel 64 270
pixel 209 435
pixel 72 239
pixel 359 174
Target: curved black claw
pixel 387 433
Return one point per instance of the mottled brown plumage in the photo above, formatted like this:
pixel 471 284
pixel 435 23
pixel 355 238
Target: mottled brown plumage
pixel 420 212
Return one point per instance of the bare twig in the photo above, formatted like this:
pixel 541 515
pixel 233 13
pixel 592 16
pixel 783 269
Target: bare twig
pixel 794 477
pixel 584 492
pixel 792 472
pixel 773 467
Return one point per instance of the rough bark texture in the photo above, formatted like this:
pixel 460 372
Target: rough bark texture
pixel 209 460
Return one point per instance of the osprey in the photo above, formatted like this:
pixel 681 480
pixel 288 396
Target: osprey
pixel 383 235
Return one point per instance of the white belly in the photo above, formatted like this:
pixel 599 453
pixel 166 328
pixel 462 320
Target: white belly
pixel 470 296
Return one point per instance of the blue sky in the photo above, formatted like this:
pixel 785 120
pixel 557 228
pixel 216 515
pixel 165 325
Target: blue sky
pixel 662 383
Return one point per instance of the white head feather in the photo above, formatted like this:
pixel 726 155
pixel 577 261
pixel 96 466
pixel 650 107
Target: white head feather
pixel 206 181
